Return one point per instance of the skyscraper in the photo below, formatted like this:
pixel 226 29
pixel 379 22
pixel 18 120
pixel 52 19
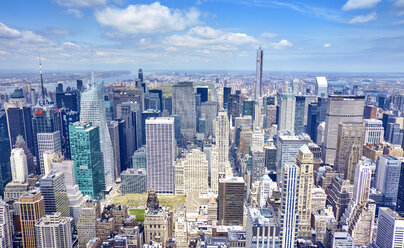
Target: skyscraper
pixel 340 108
pixel 204 92
pixel 387 178
pixel 374 132
pixel 160 154
pixel 86 225
pixel 304 161
pixel 54 230
pixel 6 224
pixel 87 157
pixel 258 89
pixel 299 114
pixel 231 201
pixel 184 105
pixel 390 229
pixel 53 190
pixel 5 148
pixel 362 182
pixel 400 195
pixel 31 209
pixel 321 87
pixel 48 142
pixel 289 200
pixel 287 105
pixel 19 168
pixel 93 110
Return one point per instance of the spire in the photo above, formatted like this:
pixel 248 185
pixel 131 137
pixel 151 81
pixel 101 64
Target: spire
pixel 40 72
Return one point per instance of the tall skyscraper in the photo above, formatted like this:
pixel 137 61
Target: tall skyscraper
pixel 304 160
pixel 86 225
pixel 184 105
pixel 87 156
pixel 288 209
pixel 287 105
pixel 258 83
pixel 53 190
pixel 204 92
pixel 67 117
pixel 160 154
pixel 5 148
pixel 400 195
pixel 209 110
pixel 390 229
pixel 54 230
pixel 349 150
pixel 226 94
pixel 387 178
pixel 19 167
pixel 20 143
pixel 93 110
pixel 321 87
pixel 31 209
pixel 374 132
pixel 6 224
pixel 300 114
pixel 48 142
pixel 231 201
pixel 340 108
pixel 362 182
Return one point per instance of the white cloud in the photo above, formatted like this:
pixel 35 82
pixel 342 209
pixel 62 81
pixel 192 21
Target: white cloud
pixel 2 52
pixel 398 22
pixel 268 35
pixel 100 53
pixel 363 18
pixel 71 44
pixel 77 13
pixel 81 3
pixel 281 44
pixel 29 36
pixel 326 45
pixel 152 18
pixel 8 33
pixel 360 4
pixel 399 3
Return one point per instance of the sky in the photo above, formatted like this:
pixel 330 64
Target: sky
pixel 311 35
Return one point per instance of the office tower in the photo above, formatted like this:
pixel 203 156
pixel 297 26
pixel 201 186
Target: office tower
pixel 19 122
pixel 140 75
pixel 184 105
pixel 133 181
pixel 270 115
pixel 336 238
pixel 270 157
pixel 20 143
pixel 248 108
pixel 349 148
pixel 262 228
pixel 204 92
pixel 19 169
pixel 160 154
pixel 400 195
pixel 93 110
pixel 289 204
pixel 318 199
pixel 360 225
pixel 339 196
pixel 287 105
pixel 6 224
pixel 87 156
pixel 168 105
pixel 79 85
pixel 362 182
pixel 150 113
pixel 86 225
pixel 370 112
pixel 67 117
pixel 374 132
pixel 156 225
pixel 5 148
pixel 31 209
pixel 304 161
pixel 68 100
pixel 321 87
pixel 54 230
pixel 159 94
pixel 209 110
pixel 123 94
pixel 340 108
pixel 258 166
pixel 139 158
pixel 321 219
pixel 53 190
pixel 387 178
pixel 258 82
pixel 48 142
pixel 287 147
pixel 226 94
pixel 191 173
pixel 220 151
pixel 233 107
pixel 300 114
pixel 231 201
pixel 113 128
pixel 75 197
pixel 245 140
pixel 390 229
pixel 393 133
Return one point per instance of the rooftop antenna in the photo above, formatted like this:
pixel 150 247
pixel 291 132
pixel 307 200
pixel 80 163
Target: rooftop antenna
pixel 40 72
pixel 92 69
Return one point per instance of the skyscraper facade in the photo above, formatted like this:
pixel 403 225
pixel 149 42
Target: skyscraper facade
pixel 160 154
pixel 93 110
pixel 300 114
pixel 87 156
pixel 374 132
pixel 387 178
pixel 184 105
pixel 19 167
pixel 6 224
pixel 231 201
pixel 53 190
pixel 390 229
pixel 258 83
pixel 48 142
pixel 321 87
pixel 287 105
pixel 54 230
pixel 5 148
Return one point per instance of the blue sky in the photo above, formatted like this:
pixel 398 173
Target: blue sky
pixel 314 35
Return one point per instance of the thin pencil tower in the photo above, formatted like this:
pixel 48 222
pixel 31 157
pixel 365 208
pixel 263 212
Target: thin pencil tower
pixel 40 72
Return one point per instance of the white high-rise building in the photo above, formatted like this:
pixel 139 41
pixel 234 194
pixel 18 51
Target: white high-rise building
pixel 374 131
pixel 321 88
pixel 160 154
pixel 286 122
pixel 220 152
pixel 184 105
pixel 6 225
pixel 19 170
pixel 92 109
pixel 191 173
pixel 288 209
pixel 53 230
pixel 390 229
pixel 48 142
pixel 266 187
pixel 362 182
pixel 257 144
pixel 258 84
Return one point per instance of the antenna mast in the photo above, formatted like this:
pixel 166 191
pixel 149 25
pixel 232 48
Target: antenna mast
pixel 92 69
pixel 40 72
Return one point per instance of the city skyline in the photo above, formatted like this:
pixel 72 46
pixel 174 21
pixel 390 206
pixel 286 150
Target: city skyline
pixel 334 36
